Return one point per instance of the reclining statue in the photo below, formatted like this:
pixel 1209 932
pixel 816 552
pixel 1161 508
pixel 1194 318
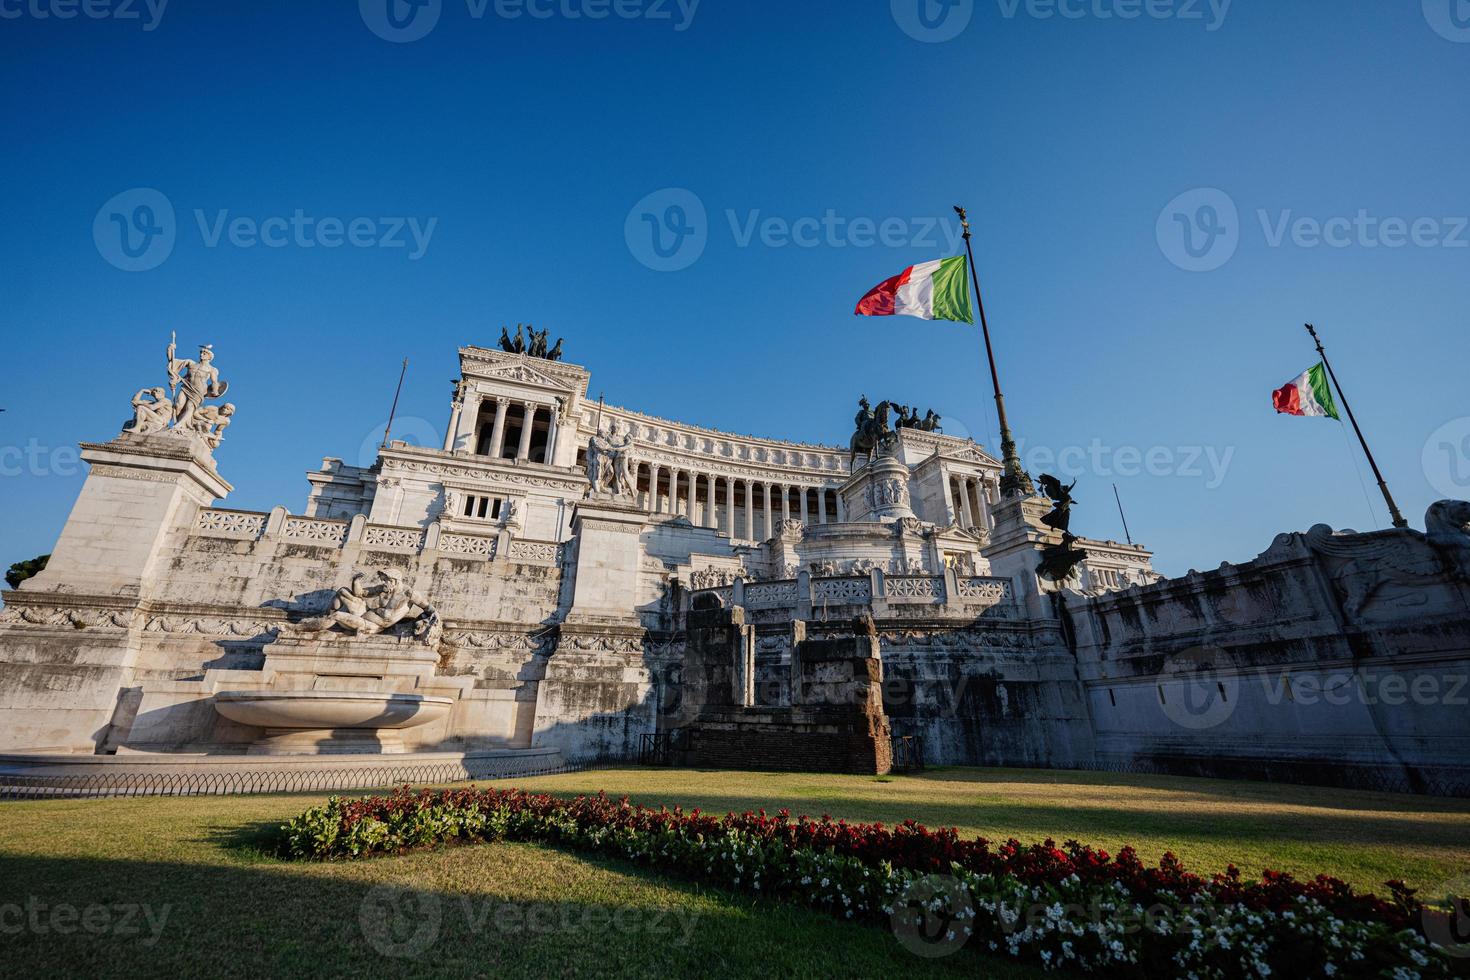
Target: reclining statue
pixel 377 603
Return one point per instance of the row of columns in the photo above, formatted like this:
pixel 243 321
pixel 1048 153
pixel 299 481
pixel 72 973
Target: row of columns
pixel 464 426
pixel 766 499
pixel 970 498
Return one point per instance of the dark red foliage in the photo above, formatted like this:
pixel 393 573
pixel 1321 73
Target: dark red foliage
pixel 912 845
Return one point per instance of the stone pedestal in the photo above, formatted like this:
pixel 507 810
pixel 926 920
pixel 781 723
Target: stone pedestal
pixel 1015 547
pixel 607 533
pixel 879 491
pixel 140 489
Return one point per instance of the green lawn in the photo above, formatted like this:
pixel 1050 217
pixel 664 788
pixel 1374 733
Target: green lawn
pixel 1363 838
pixel 182 886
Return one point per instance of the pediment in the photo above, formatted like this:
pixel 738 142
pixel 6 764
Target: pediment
pixel 523 374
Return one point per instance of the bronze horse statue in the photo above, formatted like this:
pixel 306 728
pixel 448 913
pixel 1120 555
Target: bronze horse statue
pixel 872 429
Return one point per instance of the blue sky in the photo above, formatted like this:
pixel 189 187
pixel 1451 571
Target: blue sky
pixel 520 147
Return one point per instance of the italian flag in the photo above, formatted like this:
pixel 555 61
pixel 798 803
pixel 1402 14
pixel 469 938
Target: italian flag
pixel 1307 395
pixel 938 290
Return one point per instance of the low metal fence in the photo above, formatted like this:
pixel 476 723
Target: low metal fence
pixel 908 753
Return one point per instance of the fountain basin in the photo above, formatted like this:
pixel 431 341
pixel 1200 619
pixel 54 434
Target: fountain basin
pixel 315 722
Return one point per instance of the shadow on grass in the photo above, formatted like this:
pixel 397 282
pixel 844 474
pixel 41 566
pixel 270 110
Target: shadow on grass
pixel 513 910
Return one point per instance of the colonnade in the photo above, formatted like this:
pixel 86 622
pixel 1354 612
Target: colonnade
pixel 740 507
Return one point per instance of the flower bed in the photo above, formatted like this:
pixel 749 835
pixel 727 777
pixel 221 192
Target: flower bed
pixel 1075 907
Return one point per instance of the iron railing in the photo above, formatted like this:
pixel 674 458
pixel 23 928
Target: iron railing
pixel 662 748
pixel 908 753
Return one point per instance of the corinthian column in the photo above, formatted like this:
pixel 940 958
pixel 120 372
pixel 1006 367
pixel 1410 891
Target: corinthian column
pixel 497 432
pixel 523 451
pixel 749 510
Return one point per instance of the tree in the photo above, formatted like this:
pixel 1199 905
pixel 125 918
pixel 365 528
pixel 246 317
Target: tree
pixel 23 570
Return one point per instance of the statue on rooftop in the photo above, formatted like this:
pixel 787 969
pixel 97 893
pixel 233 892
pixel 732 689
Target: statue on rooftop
pixel 531 342
pixel 873 434
pixel 181 406
pixel 1060 518
pixel 195 380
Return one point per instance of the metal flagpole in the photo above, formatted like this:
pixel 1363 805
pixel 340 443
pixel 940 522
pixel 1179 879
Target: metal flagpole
pixel 394 410
pixel 1013 481
pixel 1393 508
pixel 1119 499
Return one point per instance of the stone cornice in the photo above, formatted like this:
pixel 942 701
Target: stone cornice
pixel 399 459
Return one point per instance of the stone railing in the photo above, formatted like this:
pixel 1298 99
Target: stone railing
pixel 468 545
pixel 217 522
pixel 851 590
pixel 315 530
pixel 278 526
pixel 771 595
pixel 387 537
pixel 535 552
pixel 978 588
pixel 950 594
pixel 914 588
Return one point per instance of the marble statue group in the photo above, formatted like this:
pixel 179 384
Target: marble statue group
pixel 182 404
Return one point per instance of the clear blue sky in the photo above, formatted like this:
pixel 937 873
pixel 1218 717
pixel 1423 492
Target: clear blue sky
pixel 529 140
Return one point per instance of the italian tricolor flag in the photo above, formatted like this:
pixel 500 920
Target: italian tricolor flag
pixel 938 290
pixel 1307 395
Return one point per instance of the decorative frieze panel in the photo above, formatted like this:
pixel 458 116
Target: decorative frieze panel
pixel 467 545
pixel 240 524
pixel 103 620
pixel 312 530
pixel 914 588
pixel 208 626
pixel 393 538
pixel 847 591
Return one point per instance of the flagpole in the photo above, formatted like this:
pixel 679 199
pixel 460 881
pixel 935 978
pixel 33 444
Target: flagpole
pixel 1126 533
pixel 1393 508
pixel 1013 481
pixel 394 410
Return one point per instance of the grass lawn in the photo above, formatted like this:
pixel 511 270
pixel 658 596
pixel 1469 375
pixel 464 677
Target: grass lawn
pixel 1363 838
pixel 210 902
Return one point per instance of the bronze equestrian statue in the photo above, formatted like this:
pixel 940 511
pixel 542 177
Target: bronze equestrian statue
pixel 871 430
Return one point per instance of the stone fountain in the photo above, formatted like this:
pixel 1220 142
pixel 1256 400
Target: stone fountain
pixel 351 681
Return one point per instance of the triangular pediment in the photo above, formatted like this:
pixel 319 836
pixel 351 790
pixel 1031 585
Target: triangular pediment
pixel 523 374
pixel 972 455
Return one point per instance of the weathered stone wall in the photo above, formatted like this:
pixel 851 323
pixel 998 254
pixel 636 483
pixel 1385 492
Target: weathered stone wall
pixel 1333 658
